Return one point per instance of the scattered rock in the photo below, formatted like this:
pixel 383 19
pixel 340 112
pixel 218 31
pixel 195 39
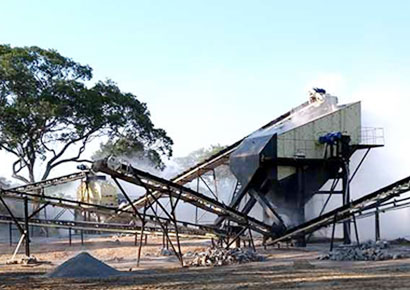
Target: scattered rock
pixel 400 241
pixel 188 254
pixel 165 252
pixel 118 259
pixel 221 256
pixel 368 251
pixel 116 239
pixel 397 256
pixel 25 261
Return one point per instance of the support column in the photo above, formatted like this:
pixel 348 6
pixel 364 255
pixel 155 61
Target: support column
pixel 300 239
pixel 11 233
pixel 26 227
pixel 196 208
pixel 238 243
pixel 377 224
pixel 346 200
pixel 69 236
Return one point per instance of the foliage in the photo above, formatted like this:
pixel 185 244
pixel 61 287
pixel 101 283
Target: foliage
pixel 47 111
pixel 202 154
pixel 130 150
pixel 198 156
pixel 4 183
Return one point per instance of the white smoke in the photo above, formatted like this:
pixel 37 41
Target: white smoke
pixel 385 103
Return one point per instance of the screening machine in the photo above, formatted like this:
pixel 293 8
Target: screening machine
pixel 282 166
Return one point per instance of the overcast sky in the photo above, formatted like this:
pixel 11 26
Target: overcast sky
pixel 213 71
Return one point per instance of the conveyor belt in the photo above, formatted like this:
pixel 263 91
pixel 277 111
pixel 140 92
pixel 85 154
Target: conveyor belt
pixel 33 187
pixel 184 227
pixel 346 212
pixel 163 186
pixel 101 227
pixel 212 162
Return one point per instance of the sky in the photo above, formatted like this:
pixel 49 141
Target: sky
pixel 214 71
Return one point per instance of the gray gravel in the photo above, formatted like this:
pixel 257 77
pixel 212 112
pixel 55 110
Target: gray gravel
pixel 83 266
pixel 368 251
pixel 221 256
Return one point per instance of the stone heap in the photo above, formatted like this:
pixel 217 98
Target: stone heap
pixel 25 261
pixel 368 251
pixel 221 256
pixel 165 252
pixel 83 266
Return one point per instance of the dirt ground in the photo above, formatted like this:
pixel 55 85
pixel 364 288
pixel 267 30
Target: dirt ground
pixel 285 268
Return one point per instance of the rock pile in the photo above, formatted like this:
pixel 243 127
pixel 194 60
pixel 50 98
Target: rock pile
pixel 221 256
pixel 83 266
pixel 25 261
pixel 165 252
pixel 368 251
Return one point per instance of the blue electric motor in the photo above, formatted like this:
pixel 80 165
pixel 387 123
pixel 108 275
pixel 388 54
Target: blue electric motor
pixel 330 138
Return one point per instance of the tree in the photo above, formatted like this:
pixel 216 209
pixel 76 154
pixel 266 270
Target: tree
pixel 47 111
pixel 4 183
pixel 130 150
pixel 198 156
pixel 222 172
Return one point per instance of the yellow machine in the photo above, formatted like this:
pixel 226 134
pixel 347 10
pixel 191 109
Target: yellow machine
pixel 97 190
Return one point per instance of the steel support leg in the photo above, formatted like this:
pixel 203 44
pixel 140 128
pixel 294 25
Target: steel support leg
pixel 301 238
pixel 346 200
pixel 142 231
pixel 252 243
pixel 377 224
pixel 196 208
pixel 166 233
pixel 236 238
pixel 26 227
pixel 333 233
pixel 356 230
pixel 11 234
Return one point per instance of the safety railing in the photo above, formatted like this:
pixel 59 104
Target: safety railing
pixel 371 136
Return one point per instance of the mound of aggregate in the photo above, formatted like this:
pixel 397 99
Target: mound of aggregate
pixel 368 251
pixel 83 266
pixel 221 256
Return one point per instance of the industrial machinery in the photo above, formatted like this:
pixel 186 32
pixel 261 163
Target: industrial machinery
pixel 286 162
pixel 96 189
pixel 282 166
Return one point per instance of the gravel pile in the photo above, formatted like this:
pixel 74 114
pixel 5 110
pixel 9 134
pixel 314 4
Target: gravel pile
pixel 368 251
pixel 83 266
pixel 221 256
pixel 165 252
pixel 25 261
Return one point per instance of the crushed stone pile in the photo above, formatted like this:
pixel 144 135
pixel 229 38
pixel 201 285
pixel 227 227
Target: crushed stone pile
pixel 368 251
pixel 27 261
pixel 83 266
pixel 165 252
pixel 221 256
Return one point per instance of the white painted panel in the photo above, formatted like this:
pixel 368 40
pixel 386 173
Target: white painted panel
pixel 304 139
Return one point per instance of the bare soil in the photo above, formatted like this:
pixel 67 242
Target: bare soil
pixel 285 268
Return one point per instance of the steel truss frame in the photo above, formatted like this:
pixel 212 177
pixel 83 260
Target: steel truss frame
pixel 156 184
pixel 349 211
pixel 169 226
